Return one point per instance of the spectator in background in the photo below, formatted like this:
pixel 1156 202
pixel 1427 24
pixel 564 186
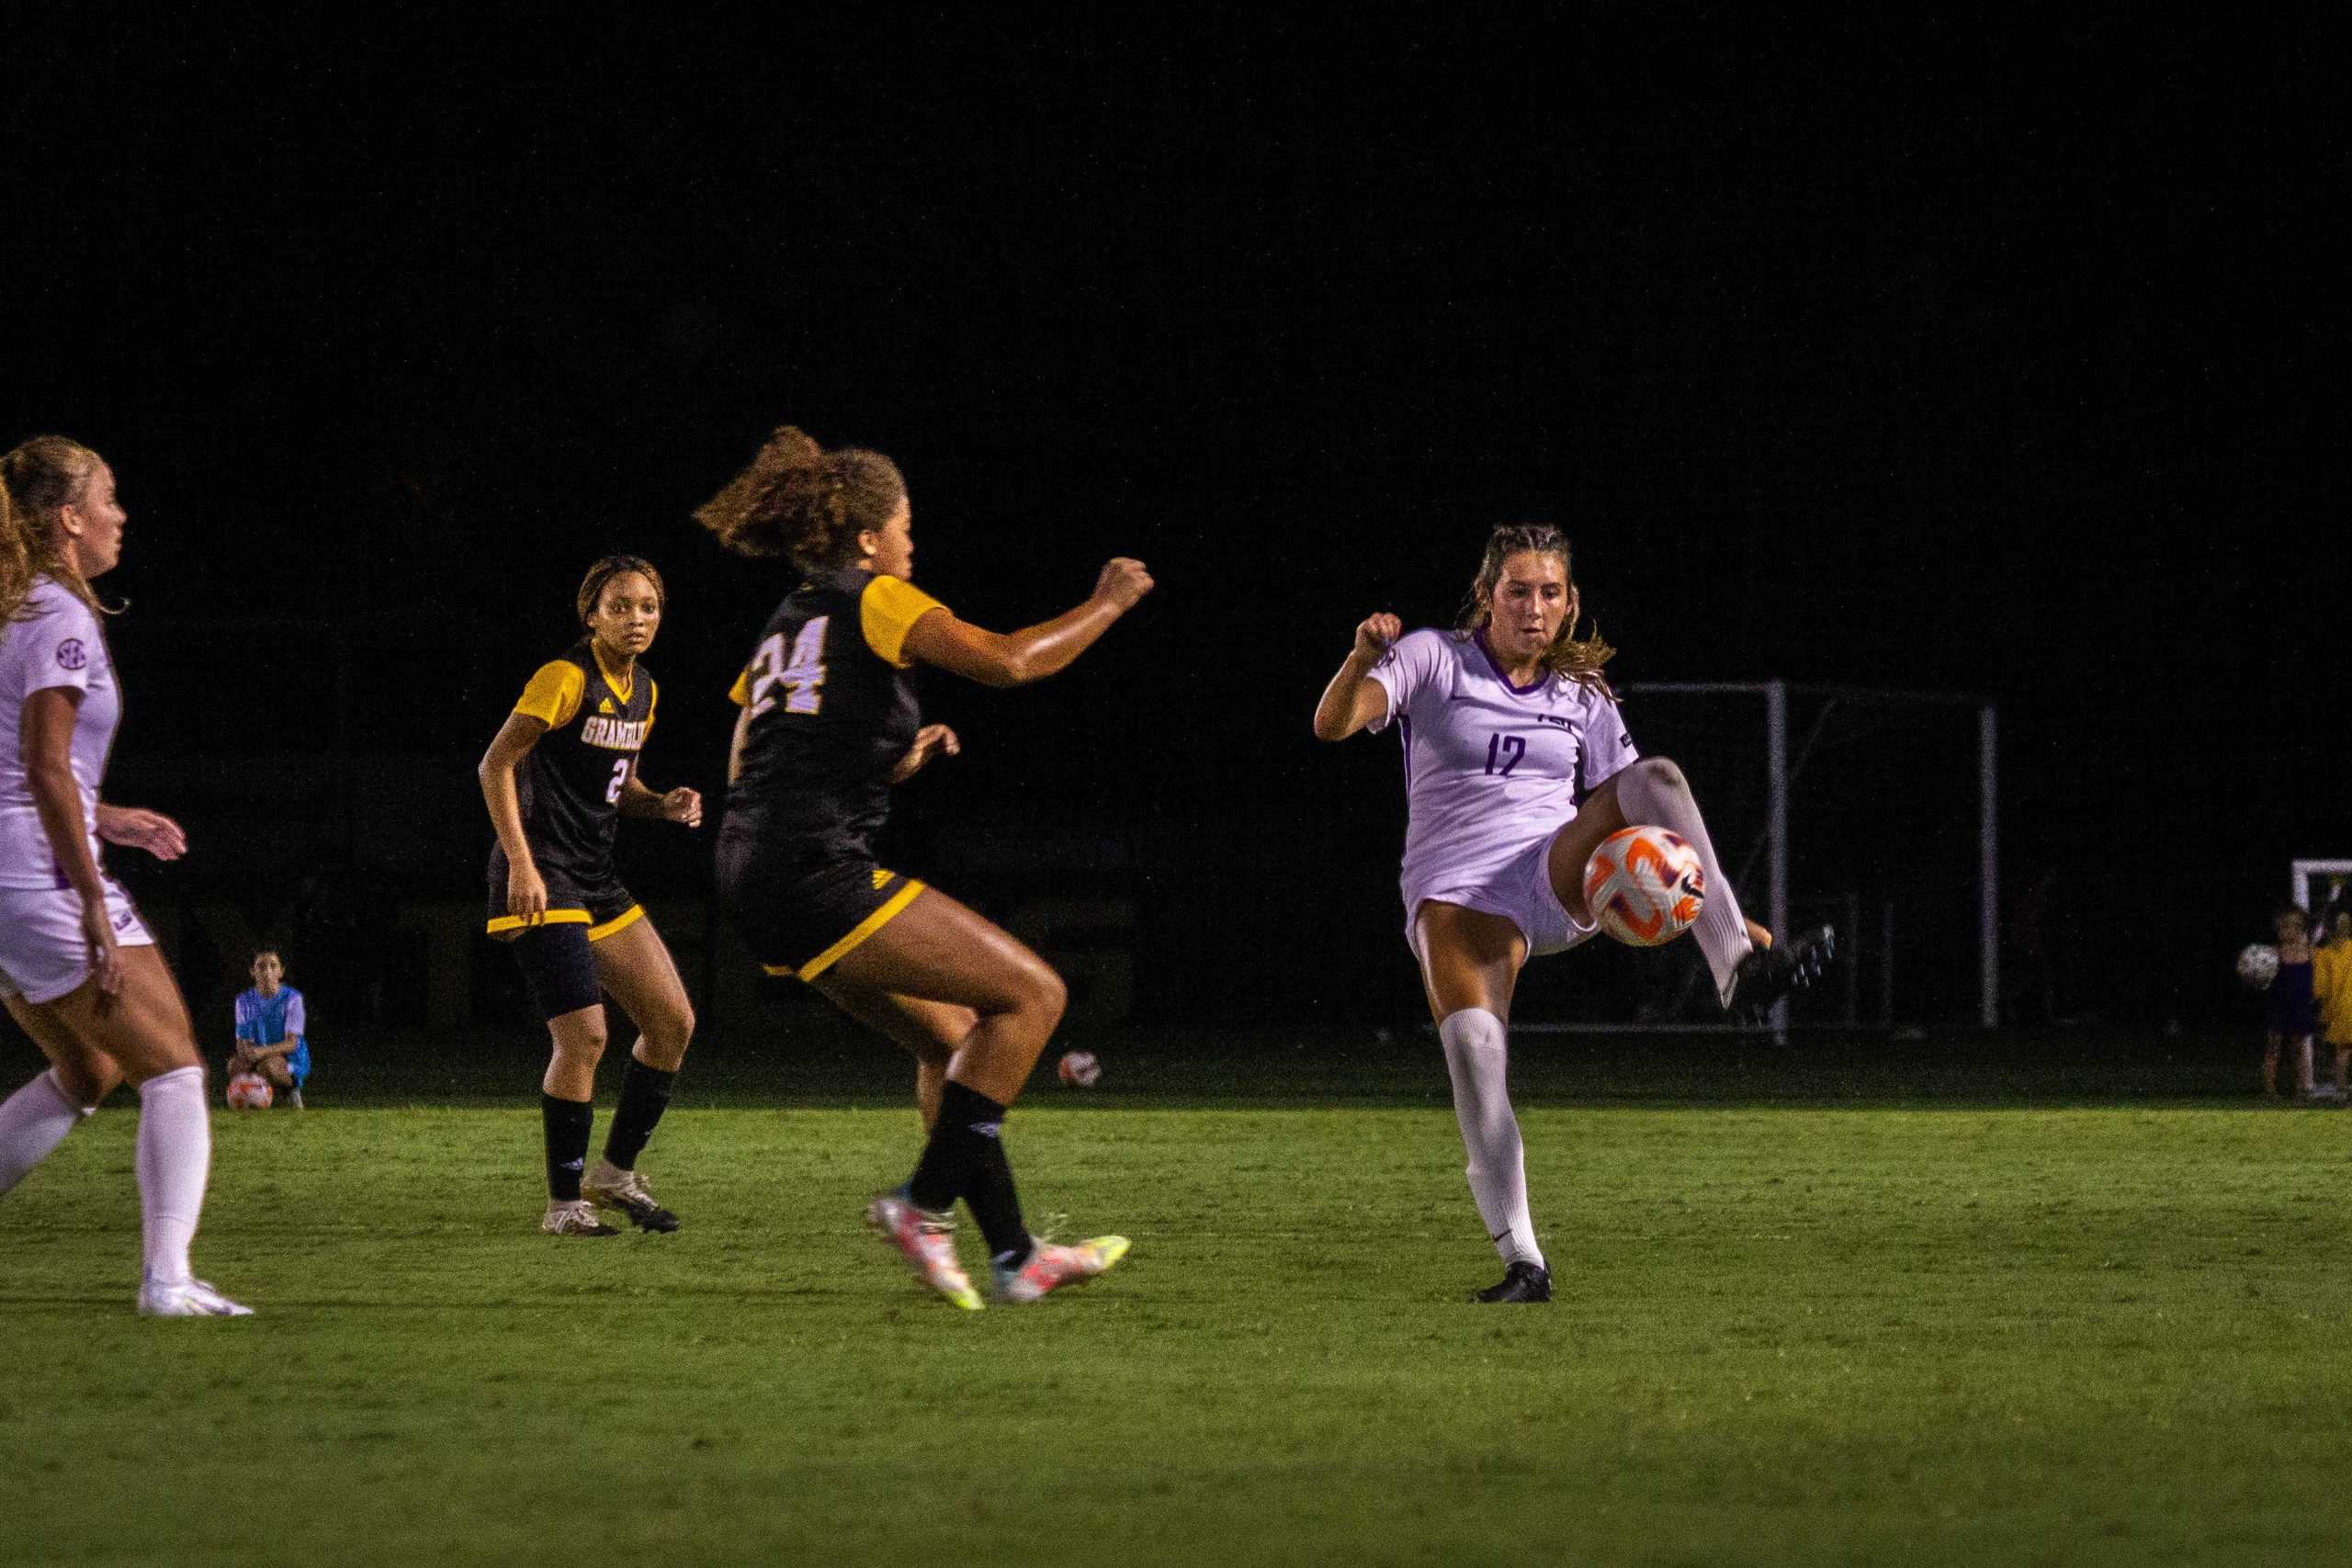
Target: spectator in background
pixel 2293 1015
pixel 2332 988
pixel 270 1038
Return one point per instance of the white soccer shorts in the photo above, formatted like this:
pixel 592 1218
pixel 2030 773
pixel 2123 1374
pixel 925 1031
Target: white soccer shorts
pixel 1519 891
pixel 42 954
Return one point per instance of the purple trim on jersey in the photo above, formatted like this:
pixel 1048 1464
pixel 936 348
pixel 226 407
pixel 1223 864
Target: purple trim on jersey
pixel 1479 636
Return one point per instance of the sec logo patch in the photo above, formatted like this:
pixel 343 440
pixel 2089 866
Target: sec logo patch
pixel 72 654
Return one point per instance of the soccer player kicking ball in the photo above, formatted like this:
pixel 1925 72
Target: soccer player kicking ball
pixel 1517 766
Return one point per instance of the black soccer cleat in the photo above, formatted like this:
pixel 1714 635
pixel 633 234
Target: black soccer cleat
pixel 1521 1281
pixel 1769 975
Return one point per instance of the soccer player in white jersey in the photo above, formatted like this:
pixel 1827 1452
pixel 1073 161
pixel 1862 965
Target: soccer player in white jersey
pixel 1516 765
pixel 78 968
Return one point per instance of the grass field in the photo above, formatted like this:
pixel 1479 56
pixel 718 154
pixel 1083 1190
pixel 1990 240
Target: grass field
pixel 1799 1334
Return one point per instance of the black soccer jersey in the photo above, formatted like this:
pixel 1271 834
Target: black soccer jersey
pixel 832 713
pixel 570 781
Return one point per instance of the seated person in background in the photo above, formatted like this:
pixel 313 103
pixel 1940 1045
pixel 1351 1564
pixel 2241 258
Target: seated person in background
pixel 269 1030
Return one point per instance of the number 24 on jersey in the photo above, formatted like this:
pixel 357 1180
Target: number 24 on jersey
pixel 802 676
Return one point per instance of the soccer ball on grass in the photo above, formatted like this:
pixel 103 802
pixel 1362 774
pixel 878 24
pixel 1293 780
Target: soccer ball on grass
pixel 249 1091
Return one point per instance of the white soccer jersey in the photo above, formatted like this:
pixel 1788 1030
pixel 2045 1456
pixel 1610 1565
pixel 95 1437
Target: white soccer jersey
pixel 1490 768
pixel 53 641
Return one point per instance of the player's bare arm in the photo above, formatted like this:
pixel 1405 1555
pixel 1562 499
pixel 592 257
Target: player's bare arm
pixel 1353 699
pixel 136 828
pixel 47 726
pixel 526 892
pixel 680 805
pixel 1016 659
pixel 931 740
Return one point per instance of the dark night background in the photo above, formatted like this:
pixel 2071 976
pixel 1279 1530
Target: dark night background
pixel 1927 359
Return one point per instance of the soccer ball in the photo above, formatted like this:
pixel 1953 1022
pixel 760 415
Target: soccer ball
pixel 1079 1069
pixel 2258 966
pixel 249 1091
pixel 1644 885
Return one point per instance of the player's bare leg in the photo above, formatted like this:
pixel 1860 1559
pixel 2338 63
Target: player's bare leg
pixel 144 1029
pixel 2270 1048
pixel 1470 964
pixel 35 1119
pixel 932 1031
pixel 567 1111
pixel 634 966
pixel 939 952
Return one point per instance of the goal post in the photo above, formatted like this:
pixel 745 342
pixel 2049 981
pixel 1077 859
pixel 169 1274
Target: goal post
pixel 1876 811
pixel 2306 875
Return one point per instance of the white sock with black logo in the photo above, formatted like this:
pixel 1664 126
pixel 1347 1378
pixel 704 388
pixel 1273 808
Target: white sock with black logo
pixel 34 1120
pixel 1654 791
pixel 173 1160
pixel 1476 1057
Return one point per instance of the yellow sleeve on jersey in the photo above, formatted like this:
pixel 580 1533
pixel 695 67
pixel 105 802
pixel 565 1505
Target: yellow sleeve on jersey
pixel 652 699
pixel 739 693
pixel 553 696
pixel 887 611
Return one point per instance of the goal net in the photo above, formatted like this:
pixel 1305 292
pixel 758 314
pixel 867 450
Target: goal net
pixel 1874 812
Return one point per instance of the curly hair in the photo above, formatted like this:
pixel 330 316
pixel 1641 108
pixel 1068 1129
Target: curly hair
pixel 38 478
pixel 1570 657
pixel 592 587
pixel 798 500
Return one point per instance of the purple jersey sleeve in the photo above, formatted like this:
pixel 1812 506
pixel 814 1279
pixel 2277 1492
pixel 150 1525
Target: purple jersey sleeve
pixel 1417 664
pixel 243 1011
pixel 294 1015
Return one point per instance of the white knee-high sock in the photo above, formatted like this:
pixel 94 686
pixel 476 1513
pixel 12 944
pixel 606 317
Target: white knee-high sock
pixel 175 1156
pixel 34 1120
pixel 1654 790
pixel 1475 1056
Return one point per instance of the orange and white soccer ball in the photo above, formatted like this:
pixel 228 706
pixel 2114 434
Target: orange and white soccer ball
pixel 249 1091
pixel 1079 1069
pixel 1644 885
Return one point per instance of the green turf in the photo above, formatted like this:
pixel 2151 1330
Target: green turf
pixel 1802 1335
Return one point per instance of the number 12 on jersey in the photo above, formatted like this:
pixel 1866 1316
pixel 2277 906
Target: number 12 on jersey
pixel 1503 753
pixel 801 677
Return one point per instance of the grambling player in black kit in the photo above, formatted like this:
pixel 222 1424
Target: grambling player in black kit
pixel 558 777
pixel 829 725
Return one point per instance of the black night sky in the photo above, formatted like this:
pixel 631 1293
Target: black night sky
pixel 1928 358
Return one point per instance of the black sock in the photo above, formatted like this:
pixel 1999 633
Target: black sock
pixel 645 1094
pixel 565 1124
pixel 951 1159
pixel 995 1207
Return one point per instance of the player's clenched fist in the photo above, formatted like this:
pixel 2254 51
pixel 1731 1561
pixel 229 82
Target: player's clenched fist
pixel 1376 634
pixel 1123 581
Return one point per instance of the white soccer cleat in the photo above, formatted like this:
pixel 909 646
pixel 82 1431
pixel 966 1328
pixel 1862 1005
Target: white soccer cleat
pixel 927 1240
pixel 186 1298
pixel 609 1187
pixel 1050 1268
pixel 577 1217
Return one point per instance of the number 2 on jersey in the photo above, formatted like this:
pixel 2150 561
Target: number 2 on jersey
pixel 1503 753
pixel 801 677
